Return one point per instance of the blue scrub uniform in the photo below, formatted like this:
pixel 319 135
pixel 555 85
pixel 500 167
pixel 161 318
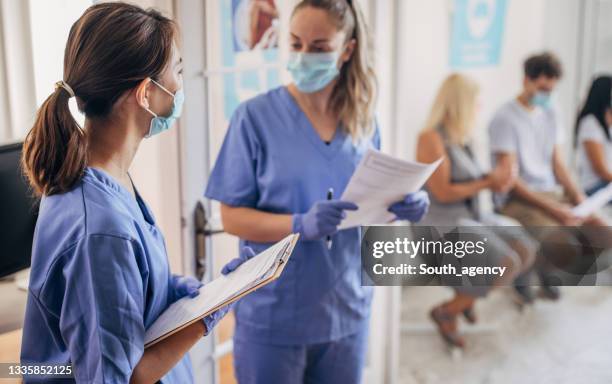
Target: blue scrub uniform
pixel 273 160
pixel 99 278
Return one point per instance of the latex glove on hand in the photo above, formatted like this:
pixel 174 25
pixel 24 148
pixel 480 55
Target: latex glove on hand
pixel 211 320
pixel 245 254
pixel 322 219
pixel 185 286
pixel 412 208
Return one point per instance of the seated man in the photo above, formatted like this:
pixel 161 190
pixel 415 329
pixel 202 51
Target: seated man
pixel 525 134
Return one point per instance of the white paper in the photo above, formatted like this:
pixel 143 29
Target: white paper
pixel 379 181
pixel 594 203
pixel 218 291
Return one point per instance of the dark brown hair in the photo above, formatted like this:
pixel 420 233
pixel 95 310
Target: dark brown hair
pixel 111 48
pixel 598 102
pixel 354 96
pixel 545 64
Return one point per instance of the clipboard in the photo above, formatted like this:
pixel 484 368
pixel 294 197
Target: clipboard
pixel 260 270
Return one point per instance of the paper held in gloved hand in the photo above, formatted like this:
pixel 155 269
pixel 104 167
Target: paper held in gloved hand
pixel 254 273
pixel 594 203
pixel 379 181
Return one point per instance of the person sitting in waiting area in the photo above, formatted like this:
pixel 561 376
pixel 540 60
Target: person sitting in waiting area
pixel 593 137
pixel 455 188
pixel 526 132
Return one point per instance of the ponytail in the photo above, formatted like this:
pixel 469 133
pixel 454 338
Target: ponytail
pixel 55 149
pixel 354 96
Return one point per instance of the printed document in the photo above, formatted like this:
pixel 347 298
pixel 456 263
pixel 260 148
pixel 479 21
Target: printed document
pixel 594 203
pixel 379 181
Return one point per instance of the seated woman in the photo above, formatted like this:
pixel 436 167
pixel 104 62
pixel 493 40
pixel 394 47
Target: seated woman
pixel 454 190
pixel 593 139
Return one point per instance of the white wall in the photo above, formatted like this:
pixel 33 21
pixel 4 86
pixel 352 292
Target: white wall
pixel 531 26
pixel 50 23
pixel 17 102
pixel 562 36
pixel 5 118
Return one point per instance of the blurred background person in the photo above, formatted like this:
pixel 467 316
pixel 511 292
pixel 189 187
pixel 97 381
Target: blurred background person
pixel 593 139
pixel 526 133
pixel 455 188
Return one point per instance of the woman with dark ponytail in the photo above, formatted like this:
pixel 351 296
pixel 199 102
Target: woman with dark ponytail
pixel 287 157
pixel 100 273
pixel 594 137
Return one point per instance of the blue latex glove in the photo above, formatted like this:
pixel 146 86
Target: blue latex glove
pixel 185 286
pixel 322 219
pixel 190 286
pixel 412 208
pixel 247 253
pixel 211 320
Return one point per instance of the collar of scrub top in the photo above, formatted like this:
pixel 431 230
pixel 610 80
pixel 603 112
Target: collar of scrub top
pixel 304 125
pixel 144 208
pixel 109 181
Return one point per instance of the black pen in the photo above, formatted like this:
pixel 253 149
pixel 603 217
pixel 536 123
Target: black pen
pixel 330 195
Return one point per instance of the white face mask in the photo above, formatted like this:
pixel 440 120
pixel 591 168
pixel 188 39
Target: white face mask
pixel 163 123
pixel 312 72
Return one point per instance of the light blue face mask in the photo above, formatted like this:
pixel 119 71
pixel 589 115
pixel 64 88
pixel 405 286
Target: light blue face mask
pixel 161 123
pixel 541 99
pixel 312 72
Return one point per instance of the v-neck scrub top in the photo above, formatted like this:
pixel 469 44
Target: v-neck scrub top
pixel 99 278
pixel 273 160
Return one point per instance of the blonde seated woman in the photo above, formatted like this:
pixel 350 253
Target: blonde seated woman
pixel 454 190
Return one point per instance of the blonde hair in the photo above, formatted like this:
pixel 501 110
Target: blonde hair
pixel 454 108
pixel 354 96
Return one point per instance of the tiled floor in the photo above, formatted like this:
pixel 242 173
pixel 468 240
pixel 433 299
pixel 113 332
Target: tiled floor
pixel 569 341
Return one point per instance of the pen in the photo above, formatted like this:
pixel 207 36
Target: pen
pixel 330 195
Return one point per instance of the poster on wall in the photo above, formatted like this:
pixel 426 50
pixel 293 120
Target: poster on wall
pixel 249 33
pixel 255 24
pixel 477 33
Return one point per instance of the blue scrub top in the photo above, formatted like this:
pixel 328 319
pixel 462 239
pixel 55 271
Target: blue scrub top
pixel 99 278
pixel 273 160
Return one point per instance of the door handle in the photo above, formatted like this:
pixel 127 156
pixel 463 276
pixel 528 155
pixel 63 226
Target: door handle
pixel 202 232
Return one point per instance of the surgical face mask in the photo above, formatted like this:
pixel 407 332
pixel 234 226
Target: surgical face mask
pixel 161 123
pixel 541 99
pixel 312 72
